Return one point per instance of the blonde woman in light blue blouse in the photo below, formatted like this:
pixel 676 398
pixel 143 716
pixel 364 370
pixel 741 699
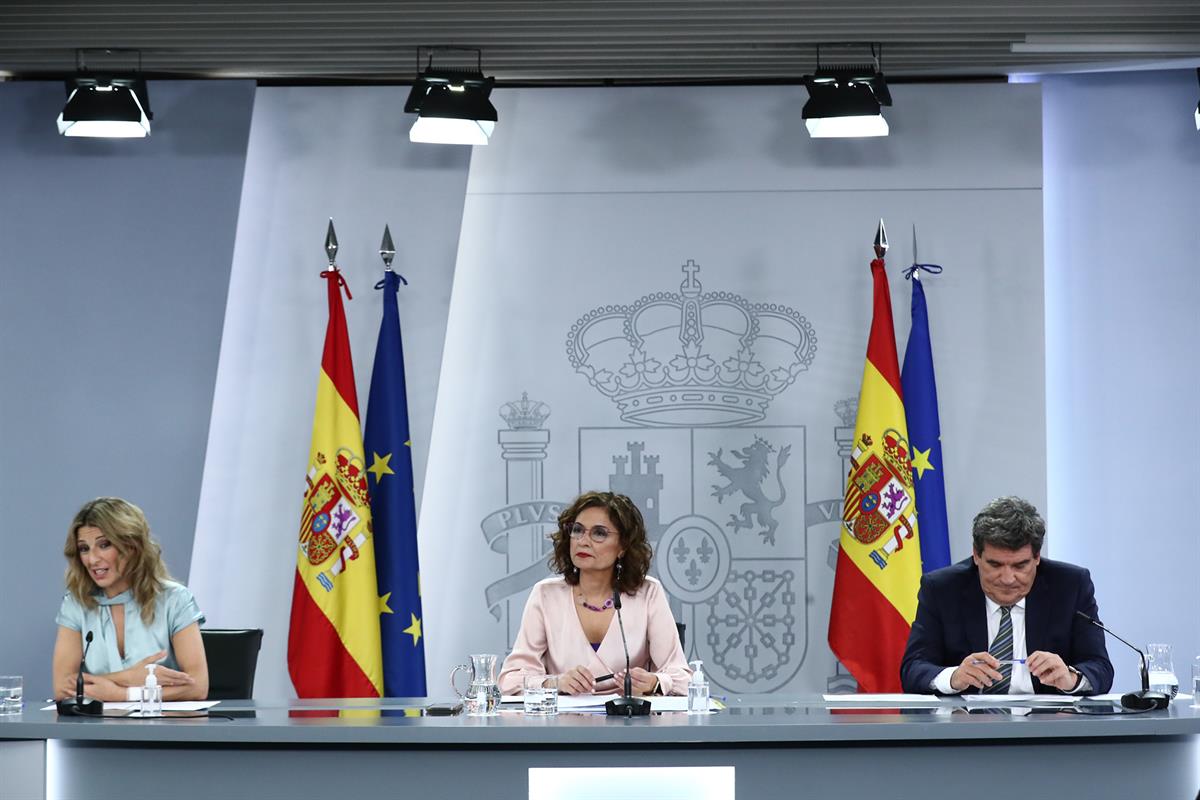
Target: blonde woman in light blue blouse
pixel 118 589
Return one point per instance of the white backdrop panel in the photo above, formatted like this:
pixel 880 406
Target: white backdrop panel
pixel 314 153
pixel 655 178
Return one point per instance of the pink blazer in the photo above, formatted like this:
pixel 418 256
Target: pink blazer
pixel 551 640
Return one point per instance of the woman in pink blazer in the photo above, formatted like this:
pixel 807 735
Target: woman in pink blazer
pixel 569 627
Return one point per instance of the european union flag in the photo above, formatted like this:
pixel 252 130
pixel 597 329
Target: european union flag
pixel 925 434
pixel 387 448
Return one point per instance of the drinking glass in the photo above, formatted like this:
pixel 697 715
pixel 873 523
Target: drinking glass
pixel 1196 682
pixel 540 695
pixel 1161 669
pixel 11 694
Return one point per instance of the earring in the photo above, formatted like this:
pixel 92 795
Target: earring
pixel 618 570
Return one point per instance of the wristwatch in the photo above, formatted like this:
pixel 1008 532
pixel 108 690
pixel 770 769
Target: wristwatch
pixel 1078 678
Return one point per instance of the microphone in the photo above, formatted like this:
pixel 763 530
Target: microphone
pixel 80 706
pixel 627 706
pixel 1143 700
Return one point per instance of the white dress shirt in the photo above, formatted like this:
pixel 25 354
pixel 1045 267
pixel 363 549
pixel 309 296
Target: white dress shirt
pixel 1021 681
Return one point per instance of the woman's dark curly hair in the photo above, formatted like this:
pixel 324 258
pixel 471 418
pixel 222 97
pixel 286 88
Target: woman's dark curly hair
pixel 630 527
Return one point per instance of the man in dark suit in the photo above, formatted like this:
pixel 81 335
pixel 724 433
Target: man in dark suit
pixel 1004 620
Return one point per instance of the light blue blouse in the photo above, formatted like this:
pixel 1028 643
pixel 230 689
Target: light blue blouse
pixel 174 609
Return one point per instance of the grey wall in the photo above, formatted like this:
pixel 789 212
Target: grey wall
pixel 114 267
pixel 1122 206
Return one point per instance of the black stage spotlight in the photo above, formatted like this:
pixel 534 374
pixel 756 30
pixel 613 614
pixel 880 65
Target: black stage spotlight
pixel 111 108
pixel 451 105
pixel 844 101
pixel 111 104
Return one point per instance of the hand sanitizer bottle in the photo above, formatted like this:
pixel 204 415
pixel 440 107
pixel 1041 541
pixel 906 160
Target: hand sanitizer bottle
pixel 151 703
pixel 697 690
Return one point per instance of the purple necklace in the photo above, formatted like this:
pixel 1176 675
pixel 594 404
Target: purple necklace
pixel 607 605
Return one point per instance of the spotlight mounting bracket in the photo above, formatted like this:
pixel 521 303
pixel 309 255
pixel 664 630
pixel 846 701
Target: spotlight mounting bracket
pixel 869 74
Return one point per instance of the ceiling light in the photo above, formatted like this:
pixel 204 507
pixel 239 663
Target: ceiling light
pixel 114 108
pixel 104 106
pixel 844 101
pixel 451 105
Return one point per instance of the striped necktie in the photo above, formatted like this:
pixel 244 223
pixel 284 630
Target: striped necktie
pixel 1002 650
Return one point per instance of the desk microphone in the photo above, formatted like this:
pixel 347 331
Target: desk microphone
pixel 627 706
pixel 80 706
pixel 1144 700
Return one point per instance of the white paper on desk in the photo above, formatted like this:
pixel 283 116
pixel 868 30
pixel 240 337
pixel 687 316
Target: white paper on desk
pixel 879 699
pixel 1022 699
pixel 675 703
pixel 569 702
pixel 169 705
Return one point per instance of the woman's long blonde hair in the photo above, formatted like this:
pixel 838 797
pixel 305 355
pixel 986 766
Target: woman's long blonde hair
pixel 126 528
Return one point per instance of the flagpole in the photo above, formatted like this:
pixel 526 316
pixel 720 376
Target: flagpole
pixel 924 429
pixel 388 445
pixel 878 561
pixel 333 633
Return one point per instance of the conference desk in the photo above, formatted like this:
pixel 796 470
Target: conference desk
pixel 793 747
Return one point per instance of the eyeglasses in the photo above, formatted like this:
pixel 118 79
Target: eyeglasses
pixel 598 533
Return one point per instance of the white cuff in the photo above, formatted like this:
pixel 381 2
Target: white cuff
pixel 1084 687
pixel 941 684
pixel 133 693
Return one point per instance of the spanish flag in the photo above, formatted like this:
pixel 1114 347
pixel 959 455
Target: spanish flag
pixel 333 642
pixel 879 555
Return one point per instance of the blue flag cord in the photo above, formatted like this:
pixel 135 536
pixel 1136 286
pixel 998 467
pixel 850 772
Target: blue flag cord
pixel 383 281
pixel 932 269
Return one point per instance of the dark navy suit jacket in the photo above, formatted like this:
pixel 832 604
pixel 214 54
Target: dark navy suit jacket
pixel 951 624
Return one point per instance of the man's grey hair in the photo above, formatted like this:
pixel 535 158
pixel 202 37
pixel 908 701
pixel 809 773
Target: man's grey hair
pixel 1009 523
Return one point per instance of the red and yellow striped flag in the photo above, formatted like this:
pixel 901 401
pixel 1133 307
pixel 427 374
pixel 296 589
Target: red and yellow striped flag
pixel 879 557
pixel 333 641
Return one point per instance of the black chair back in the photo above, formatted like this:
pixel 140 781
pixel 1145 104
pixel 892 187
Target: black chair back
pixel 682 628
pixel 232 656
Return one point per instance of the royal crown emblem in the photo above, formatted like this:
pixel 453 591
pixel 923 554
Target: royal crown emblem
pixel 691 358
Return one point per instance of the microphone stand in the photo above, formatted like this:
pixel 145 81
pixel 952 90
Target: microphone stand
pixel 80 706
pixel 1144 700
pixel 627 706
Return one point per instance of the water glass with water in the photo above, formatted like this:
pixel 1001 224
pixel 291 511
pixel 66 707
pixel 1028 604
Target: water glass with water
pixel 1161 669
pixel 11 694
pixel 1196 682
pixel 540 695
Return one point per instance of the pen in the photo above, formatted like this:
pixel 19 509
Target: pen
pixel 1006 661
pixel 607 677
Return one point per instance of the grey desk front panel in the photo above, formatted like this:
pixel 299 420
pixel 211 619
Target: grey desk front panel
pixel 792 748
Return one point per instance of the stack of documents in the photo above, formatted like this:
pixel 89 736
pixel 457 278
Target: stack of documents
pixel 595 702
pixel 881 700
